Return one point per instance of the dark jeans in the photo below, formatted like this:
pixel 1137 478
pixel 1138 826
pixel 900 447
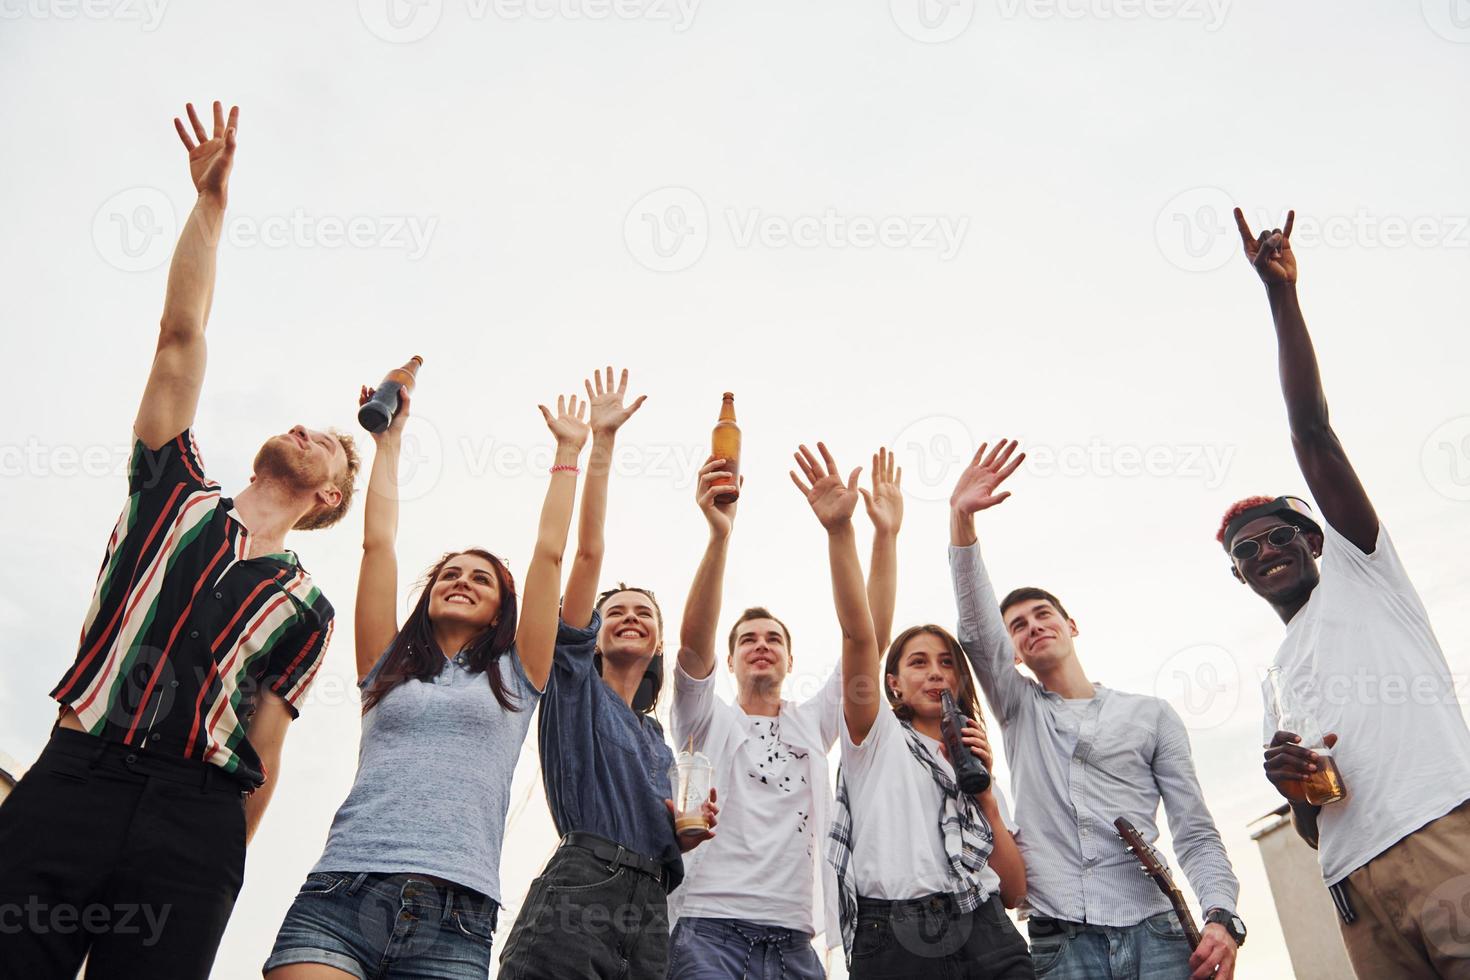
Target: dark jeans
pixel 732 949
pixel 585 918
pixel 131 860
pixel 930 938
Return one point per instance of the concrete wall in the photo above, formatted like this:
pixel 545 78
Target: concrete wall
pixel 1308 917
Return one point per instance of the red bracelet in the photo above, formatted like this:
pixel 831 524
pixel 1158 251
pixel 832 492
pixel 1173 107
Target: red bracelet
pixel 564 467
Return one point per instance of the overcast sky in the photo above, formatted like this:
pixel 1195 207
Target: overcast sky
pixel 913 223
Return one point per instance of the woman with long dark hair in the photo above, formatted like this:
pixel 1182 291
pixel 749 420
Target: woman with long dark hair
pixel 923 869
pixel 409 884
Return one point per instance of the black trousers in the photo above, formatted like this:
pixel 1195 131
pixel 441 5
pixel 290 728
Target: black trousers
pixel 931 939
pixel 131 860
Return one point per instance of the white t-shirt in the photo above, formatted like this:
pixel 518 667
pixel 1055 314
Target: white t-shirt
pixel 897 850
pixel 771 777
pixel 1363 654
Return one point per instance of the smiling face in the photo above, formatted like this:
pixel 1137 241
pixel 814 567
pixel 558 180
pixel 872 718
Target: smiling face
pixel 760 656
pixel 1041 635
pixel 466 591
pixel 1284 574
pixel 630 627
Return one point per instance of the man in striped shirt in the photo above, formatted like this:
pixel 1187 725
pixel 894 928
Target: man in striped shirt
pixel 125 842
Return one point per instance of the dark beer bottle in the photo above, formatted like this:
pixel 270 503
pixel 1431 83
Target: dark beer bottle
pixel 725 444
pixel 969 771
pixel 376 414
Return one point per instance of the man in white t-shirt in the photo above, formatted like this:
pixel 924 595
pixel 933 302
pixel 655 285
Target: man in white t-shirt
pixel 756 894
pixel 1361 658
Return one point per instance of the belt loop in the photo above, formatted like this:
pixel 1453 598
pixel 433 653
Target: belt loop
pixel 617 859
pixel 97 754
pixel 356 883
pixel 448 904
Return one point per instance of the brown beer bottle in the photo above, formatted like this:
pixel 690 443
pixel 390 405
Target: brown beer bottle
pixel 376 414
pixel 725 444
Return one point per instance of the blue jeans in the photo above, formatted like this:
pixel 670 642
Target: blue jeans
pixel 731 949
pixel 1155 949
pixel 387 927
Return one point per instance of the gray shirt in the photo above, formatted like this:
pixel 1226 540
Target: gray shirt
pixel 1074 771
pixel 434 769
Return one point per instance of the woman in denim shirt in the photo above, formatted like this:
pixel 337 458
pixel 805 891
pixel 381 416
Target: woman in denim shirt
pixel 409 882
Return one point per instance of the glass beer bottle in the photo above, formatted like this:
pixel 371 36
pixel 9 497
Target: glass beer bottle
pixel 1325 785
pixel 725 444
pixel 376 414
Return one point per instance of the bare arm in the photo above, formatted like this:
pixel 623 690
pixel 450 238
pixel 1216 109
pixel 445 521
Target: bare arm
pixel 375 614
pixel 700 623
pixel 833 501
pixel 267 733
pixel 608 415
pixel 171 395
pixel 1324 464
pixel 885 509
pixel 537 627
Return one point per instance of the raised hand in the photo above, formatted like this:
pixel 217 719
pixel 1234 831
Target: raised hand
pixel 885 501
pixel 832 500
pixel 608 413
pixel 721 517
pixel 400 417
pixel 1270 252
pixel 976 488
pixel 568 425
pixel 212 156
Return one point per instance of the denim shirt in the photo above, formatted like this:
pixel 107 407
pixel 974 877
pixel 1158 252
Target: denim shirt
pixel 605 767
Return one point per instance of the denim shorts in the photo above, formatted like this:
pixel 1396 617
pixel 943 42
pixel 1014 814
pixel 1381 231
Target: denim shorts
pixel 384 926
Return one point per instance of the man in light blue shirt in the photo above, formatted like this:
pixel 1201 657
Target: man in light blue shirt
pixel 1082 755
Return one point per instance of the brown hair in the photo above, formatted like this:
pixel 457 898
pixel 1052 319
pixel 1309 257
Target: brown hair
pixel 758 612
pixel 964 696
pixel 413 654
pixel 1026 594
pixel 326 517
pixel 646 698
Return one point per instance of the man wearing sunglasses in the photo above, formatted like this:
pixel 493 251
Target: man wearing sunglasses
pixel 1360 654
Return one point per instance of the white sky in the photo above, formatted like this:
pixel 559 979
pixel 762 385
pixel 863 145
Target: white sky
pixel 496 175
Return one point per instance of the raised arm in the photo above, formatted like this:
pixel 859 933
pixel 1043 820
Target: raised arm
pixel 607 416
pixel 885 509
pixel 1324 464
pixel 700 622
pixel 375 614
pixel 537 627
pixel 172 393
pixel 982 632
pixel 833 502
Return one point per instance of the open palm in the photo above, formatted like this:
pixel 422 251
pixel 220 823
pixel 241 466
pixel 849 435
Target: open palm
pixel 608 413
pixel 568 424
pixel 211 158
pixel 976 489
pixel 885 500
pixel 831 499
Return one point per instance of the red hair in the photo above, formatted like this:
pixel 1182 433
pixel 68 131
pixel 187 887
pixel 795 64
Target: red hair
pixel 1236 509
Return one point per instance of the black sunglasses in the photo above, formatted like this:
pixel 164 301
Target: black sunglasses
pixel 1279 537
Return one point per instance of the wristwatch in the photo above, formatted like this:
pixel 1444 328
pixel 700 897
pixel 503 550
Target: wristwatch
pixel 1232 923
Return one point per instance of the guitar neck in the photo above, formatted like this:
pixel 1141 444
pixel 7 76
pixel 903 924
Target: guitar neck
pixel 1185 917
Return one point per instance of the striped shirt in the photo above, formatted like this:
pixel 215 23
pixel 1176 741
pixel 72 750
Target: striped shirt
pixel 184 629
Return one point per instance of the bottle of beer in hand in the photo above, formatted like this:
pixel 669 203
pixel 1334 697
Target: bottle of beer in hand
pixel 725 444
pixel 376 414
pixel 969 771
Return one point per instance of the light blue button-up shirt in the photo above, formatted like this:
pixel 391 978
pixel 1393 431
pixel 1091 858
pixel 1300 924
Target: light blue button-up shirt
pixel 1073 773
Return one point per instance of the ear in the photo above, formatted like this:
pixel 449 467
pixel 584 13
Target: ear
pixel 1314 544
pixel 329 497
pixel 1236 572
pixel 730 662
pixel 1073 624
pixel 1017 658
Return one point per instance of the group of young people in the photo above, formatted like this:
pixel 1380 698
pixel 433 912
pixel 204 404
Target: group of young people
pixel 205 632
